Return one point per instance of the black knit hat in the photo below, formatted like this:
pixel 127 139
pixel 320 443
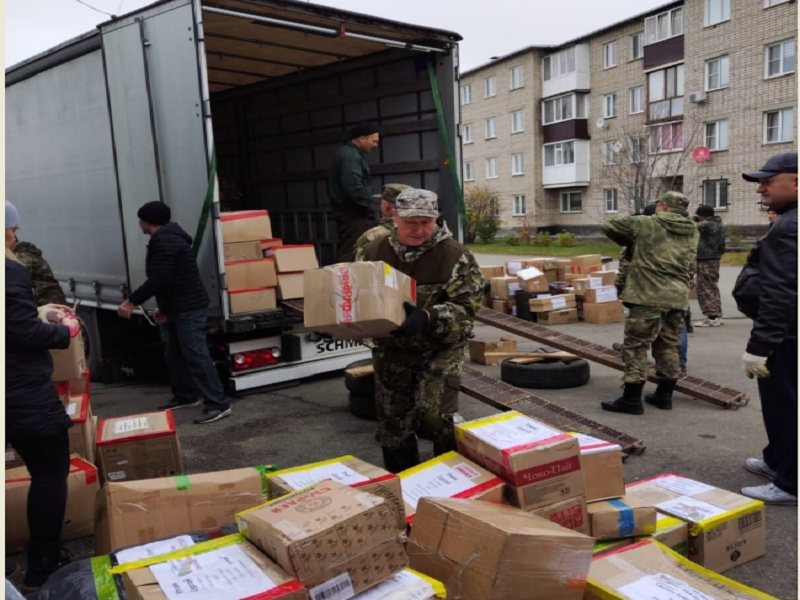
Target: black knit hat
pixel 155 213
pixel 363 129
pixel 704 210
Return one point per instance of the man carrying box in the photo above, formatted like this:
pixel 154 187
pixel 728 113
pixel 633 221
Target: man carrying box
pixel 386 225
pixel 417 369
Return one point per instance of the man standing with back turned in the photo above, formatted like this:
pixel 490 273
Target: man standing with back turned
pixel 709 250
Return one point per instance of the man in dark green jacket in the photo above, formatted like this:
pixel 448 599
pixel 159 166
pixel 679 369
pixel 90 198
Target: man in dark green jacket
pixel 350 188
pixel 709 250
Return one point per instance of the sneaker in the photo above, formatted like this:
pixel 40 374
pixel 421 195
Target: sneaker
pixel 770 494
pixel 716 322
pixel 175 405
pixel 209 416
pixel 759 467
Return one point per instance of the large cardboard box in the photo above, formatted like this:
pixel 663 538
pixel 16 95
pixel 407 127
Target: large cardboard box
pixel 251 274
pixel 611 545
pixel 478 350
pixel 599 314
pixel 245 226
pixel 70 363
pixel 290 285
pixel 82 485
pixel 600 295
pixel 328 534
pixel 583 283
pixel 490 273
pixel 242 251
pixel 558 317
pixel 586 260
pixel 584 270
pixel 608 277
pixel 247 301
pixel 485 551
pixel 448 476
pixel 353 301
pixel 81 434
pixel 406 585
pixel 76 387
pixel 533 280
pixel 623 517
pixel 725 529
pixel 541 466
pixel 347 470
pixel 514 266
pixel 551 275
pixel 505 306
pixel 601 465
pixel 671 532
pixel 569 513
pixel 649 570
pixel 504 288
pixel 549 303
pixel 291 259
pixel 129 513
pixel 140 446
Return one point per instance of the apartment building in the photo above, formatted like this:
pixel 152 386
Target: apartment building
pixel 685 97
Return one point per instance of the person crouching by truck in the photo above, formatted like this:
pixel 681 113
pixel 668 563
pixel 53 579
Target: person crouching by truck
pixel 174 279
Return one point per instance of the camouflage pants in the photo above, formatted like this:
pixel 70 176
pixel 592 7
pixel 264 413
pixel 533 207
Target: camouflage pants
pixel 708 288
pixel 648 327
pixel 414 390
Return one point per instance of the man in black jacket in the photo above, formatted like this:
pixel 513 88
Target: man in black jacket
pixel 766 291
pixel 174 279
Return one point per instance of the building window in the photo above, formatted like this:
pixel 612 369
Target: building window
pixel 637 46
pixel 518 208
pixel 665 97
pixel 491 128
pixel 768 3
pixel 491 168
pixel 718 74
pixel 637 100
pixel 610 197
pixel 610 55
pixel 717 11
pixel 558 154
pixel 663 26
pixel 666 138
pixel 516 78
pixel 717 135
pixel 715 194
pixel 610 106
pixel 517 121
pixel 466 94
pixel 563 108
pixel 778 126
pixel 558 64
pixel 490 87
pixel 469 171
pixel 779 59
pixel 518 164
pixel 468 133
pixel 611 152
pixel 571 202
pixel 638 149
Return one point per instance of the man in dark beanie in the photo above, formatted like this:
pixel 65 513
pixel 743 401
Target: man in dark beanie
pixel 350 188
pixel 709 251
pixel 174 279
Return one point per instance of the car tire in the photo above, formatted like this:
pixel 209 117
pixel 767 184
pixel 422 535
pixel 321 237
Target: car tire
pixel 363 407
pixel 555 374
pixel 362 386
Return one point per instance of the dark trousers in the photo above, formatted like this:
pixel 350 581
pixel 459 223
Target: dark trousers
pixel 191 369
pixel 349 227
pixel 47 460
pixel 779 406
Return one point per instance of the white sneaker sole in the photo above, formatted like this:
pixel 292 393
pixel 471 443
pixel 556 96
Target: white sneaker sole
pixel 222 415
pixel 765 474
pixel 770 502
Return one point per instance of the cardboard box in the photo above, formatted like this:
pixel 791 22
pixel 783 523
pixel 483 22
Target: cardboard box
pixel 242 251
pixel 82 485
pixel 586 260
pixel 725 529
pixel 624 517
pixel 245 226
pixel 505 307
pixel 600 295
pixel 406 585
pixel 540 465
pixel 290 286
pixel 692 293
pixel 68 364
pixel 81 434
pixel 599 314
pixel 505 288
pixel 608 277
pixel 291 259
pixel 140 446
pixel 478 350
pixel 601 465
pixel 353 301
pixel 268 247
pixel 572 277
pixel 76 387
pixel 323 533
pixel 247 301
pixel 558 317
pixel 514 266
pixel 648 569
pixel 584 271
pixel 543 263
pixel 611 545
pixel 551 275
pixel 347 470
pixel 485 551
pixel 671 532
pixel 569 513
pixel 251 274
pixel 546 304
pixel 448 476
pixel 582 284
pixel 135 512
pixel 490 273
pixel 533 280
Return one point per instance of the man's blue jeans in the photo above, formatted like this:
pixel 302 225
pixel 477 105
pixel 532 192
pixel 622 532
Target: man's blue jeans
pixel 683 349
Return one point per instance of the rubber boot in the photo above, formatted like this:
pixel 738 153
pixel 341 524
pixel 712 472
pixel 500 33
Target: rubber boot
pixel 663 397
pixel 630 403
pixel 43 561
pixel 402 458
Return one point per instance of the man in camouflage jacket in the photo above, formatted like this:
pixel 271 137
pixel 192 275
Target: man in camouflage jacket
pixel 417 369
pixel 385 225
pixel 46 290
pixel 657 296
pixel 709 250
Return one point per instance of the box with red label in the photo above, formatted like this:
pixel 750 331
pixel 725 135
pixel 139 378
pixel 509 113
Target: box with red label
pixel 255 300
pixel 353 301
pixel 63 389
pixel 569 513
pixel 251 274
pixel 540 464
pixel 290 286
pixel 601 463
pixel 291 259
pixel 245 226
pixel 81 434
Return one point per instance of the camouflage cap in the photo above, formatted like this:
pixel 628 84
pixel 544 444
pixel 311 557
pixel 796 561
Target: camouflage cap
pixel 675 200
pixel 417 203
pixel 391 191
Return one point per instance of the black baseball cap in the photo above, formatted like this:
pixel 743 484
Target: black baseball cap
pixel 785 162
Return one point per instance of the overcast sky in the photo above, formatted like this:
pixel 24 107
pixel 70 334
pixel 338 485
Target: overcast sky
pixel 489 27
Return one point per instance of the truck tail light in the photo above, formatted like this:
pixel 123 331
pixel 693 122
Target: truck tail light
pixel 254 359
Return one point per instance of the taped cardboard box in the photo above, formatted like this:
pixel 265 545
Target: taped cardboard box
pixel 82 485
pixel 81 434
pixel 268 247
pixel 551 275
pixel 533 280
pixel 76 387
pixel 547 304
pixel 569 513
pixel 347 470
pixel 650 570
pixel 478 350
pixel 558 317
pixel 490 273
pixel 329 536
pixel 600 295
pixel 725 529
pixel 291 259
pixel 255 300
pixel 608 277
pixel 586 260
pixel 251 274
pixel 600 314
pixel 134 512
pixel 448 476
pixel 583 283
pixel 624 517
pixel 290 286
pixel 242 251
pixel 245 226
pixel 540 465
pixel 353 301
pixel 514 266
pixel 504 288
pixel 601 465
pixel 671 532
pixel 584 270
pixel 543 263
pixel 505 307
pixel 140 446
pixel 70 363
pixel 611 545
pixel 485 551
pixel 406 585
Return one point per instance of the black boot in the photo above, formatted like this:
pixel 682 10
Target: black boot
pixel 630 402
pixel 402 458
pixel 443 447
pixel 43 561
pixel 663 397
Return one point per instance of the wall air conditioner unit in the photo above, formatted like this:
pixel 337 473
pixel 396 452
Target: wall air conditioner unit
pixel 697 98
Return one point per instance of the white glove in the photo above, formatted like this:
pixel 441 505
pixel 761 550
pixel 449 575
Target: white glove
pixel 754 366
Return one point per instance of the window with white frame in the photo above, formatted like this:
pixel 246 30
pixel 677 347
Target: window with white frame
pixel 469 171
pixel 609 106
pixel 715 193
pixel 663 26
pixel 571 202
pixel 717 11
pixel 779 126
pixel 666 138
pixel 611 152
pixel 779 59
pixel 491 168
pixel 518 164
pixel 517 121
pixel 564 108
pixel 637 46
pixel 518 208
pixel 558 64
pixel 718 73
pixel 610 198
pixel 637 100
pixel 468 133
pixel 768 3
pixel 610 55
pixel 466 94
pixel 637 150
pixel 716 135
pixel 490 127
pixel 516 79
pixel 490 87
pixel 665 94
pixel 558 154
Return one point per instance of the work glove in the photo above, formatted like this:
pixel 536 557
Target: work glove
pixel 754 366
pixel 416 320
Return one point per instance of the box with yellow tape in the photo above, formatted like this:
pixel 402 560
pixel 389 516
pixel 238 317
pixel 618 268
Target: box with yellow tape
pixel 671 532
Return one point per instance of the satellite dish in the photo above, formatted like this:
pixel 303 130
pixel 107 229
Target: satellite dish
pixel 617 146
pixel 600 123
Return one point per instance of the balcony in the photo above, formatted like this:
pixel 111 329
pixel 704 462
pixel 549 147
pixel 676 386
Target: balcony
pixel 566 71
pixel 566 164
